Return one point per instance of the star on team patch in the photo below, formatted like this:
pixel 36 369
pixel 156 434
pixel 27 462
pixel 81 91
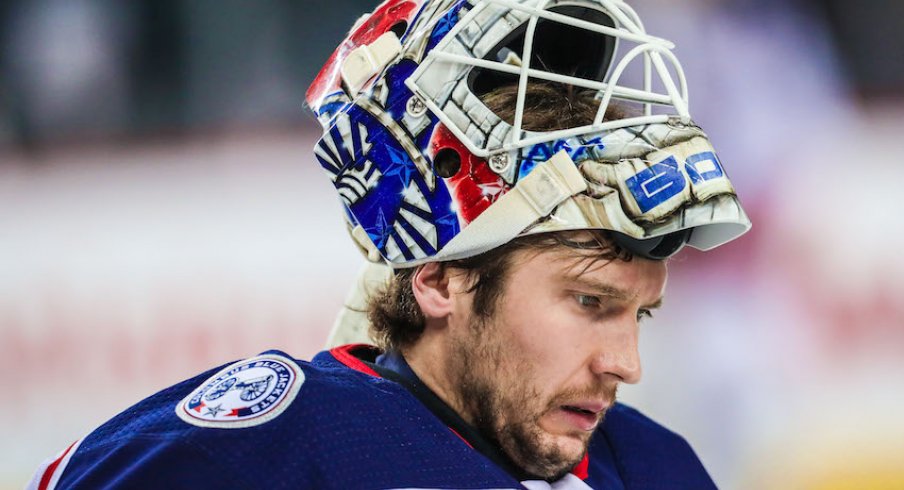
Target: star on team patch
pixel 213 411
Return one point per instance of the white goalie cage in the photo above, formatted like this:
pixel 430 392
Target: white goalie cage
pixel 441 80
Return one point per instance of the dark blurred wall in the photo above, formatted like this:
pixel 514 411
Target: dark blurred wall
pixel 869 35
pixel 74 69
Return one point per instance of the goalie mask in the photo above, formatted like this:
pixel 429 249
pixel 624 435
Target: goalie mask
pixel 427 172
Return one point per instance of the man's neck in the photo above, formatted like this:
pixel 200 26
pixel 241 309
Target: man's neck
pixel 429 358
pixel 392 365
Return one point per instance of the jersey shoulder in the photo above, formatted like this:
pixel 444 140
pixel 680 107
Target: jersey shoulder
pixel 229 409
pixel 274 422
pixel 240 395
pixel 648 455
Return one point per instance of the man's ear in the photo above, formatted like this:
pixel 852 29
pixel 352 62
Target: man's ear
pixel 430 285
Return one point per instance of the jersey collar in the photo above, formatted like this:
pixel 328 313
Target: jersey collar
pixel 391 365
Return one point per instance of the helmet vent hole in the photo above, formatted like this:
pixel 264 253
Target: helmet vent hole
pixel 399 28
pixel 447 163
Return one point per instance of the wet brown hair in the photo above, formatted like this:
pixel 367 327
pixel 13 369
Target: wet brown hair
pixel 550 107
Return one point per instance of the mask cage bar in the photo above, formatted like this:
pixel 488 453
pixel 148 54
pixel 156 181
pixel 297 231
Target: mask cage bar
pixel 526 54
pixel 632 29
pixel 647 63
pixel 649 50
pixel 635 25
pixel 620 92
pixel 635 35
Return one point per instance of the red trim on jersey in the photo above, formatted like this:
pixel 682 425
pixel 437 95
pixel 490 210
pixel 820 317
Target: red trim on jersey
pixel 48 473
pixel 582 470
pixel 345 355
pixel 462 438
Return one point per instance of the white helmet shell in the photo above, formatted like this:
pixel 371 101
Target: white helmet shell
pixel 406 87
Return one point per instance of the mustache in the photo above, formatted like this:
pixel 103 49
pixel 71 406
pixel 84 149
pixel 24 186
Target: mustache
pixel 607 393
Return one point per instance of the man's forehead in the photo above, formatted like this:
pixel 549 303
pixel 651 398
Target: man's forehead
pixel 613 276
pixel 576 244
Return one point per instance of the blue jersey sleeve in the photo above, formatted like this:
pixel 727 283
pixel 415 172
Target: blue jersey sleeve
pixel 150 462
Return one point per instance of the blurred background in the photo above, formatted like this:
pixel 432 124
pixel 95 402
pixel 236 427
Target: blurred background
pixel 161 213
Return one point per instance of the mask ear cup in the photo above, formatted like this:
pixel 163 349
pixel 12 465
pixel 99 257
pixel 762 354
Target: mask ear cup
pixel 657 248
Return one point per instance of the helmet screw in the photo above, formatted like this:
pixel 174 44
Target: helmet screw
pixel 499 163
pixel 415 107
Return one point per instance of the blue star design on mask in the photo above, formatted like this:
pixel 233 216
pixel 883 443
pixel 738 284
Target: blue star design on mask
pixel 444 25
pixel 379 233
pixel 449 220
pixel 400 166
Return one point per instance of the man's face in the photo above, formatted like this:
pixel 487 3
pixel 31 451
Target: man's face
pixel 538 375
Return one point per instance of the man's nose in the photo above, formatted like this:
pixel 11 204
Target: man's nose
pixel 618 354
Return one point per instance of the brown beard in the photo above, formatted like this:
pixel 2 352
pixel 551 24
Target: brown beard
pixel 506 415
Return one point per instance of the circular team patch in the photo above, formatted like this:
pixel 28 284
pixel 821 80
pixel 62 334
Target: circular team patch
pixel 244 394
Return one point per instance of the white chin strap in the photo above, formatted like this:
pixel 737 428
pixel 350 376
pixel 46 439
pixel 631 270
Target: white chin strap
pixel 534 197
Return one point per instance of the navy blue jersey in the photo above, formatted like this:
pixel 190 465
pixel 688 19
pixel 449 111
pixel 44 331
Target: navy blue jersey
pixel 274 422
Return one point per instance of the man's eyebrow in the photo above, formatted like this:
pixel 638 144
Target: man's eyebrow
pixel 610 291
pixel 654 305
pixel 600 287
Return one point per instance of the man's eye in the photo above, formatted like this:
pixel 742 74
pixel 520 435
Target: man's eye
pixel 587 301
pixel 644 314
